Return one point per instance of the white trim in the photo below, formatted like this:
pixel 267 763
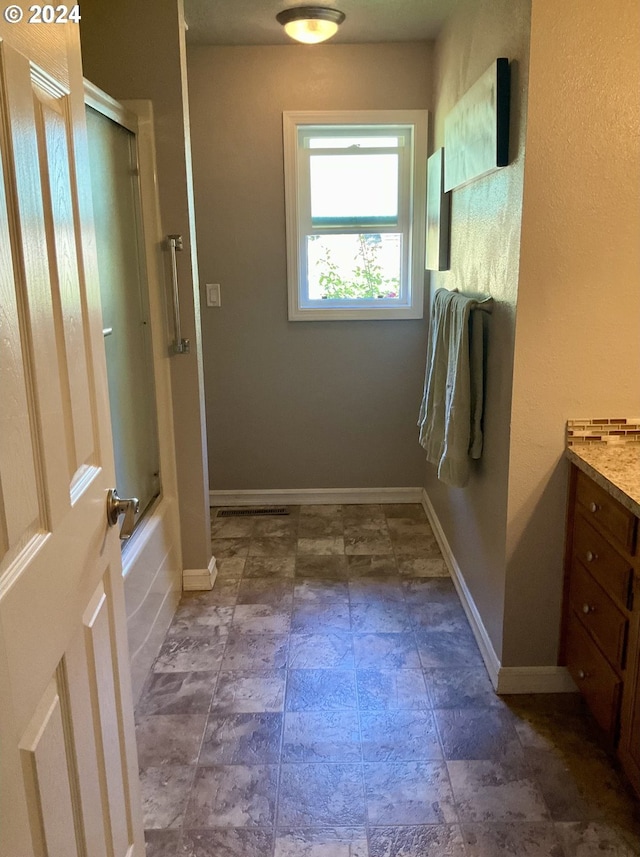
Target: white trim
pixel 550 679
pixel 196 579
pixel 314 496
pixel 109 107
pixel 535 680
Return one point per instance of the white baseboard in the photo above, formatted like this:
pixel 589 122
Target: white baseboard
pixel 548 679
pixel 535 680
pixel 315 496
pixel 196 579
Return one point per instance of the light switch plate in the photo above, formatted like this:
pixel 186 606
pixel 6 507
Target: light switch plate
pixel 213 294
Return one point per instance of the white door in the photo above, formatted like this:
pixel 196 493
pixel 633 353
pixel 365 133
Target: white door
pixel 68 779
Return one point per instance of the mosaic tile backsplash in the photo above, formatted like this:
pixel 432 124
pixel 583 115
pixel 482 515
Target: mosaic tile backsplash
pixel 622 430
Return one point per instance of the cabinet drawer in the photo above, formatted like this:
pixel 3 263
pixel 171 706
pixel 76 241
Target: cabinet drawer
pixel 596 680
pixel 597 612
pixel 600 507
pixel 610 569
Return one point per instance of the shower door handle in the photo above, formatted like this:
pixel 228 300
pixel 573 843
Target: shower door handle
pixel 116 506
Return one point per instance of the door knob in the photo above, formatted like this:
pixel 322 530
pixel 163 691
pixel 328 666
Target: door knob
pixel 116 507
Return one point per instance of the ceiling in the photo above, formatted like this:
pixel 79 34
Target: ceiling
pixel 253 22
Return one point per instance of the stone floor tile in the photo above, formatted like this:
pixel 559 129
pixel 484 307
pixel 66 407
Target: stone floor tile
pixel 324 842
pixel 232 528
pixel 478 733
pixel 228 567
pixel 285 526
pixel 269 567
pixel 462 688
pixel 399 736
pixel 369 544
pixel 438 617
pixel 408 793
pixel 169 739
pixel 255 651
pixel 448 648
pixel 224 592
pixel 165 792
pixel 364 566
pixel 320 795
pixel 525 775
pixel 321 510
pixel 233 796
pixel 321 690
pixel 242 739
pixel 390 617
pixel 190 654
pixel 260 619
pixel 230 548
pixel 424 840
pixel 266 590
pixel 177 693
pixel 227 842
pixel 596 839
pixel 369 589
pixel 386 651
pixel 363 513
pixel 272 546
pixel 324 567
pixel 162 843
pixel 381 690
pixel 427 591
pixel 193 619
pixel 319 526
pixel 488 791
pixel 321 546
pixel 425 567
pixel 321 736
pixel 242 691
pixel 404 510
pixel 522 839
pixel 333 650
pixel 401 528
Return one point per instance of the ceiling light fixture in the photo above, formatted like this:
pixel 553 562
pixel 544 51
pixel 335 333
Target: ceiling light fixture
pixel 310 24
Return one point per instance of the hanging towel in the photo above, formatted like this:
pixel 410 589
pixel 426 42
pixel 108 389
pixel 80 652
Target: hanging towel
pixel 451 412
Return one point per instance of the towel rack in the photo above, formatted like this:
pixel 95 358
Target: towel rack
pixel 180 345
pixel 483 304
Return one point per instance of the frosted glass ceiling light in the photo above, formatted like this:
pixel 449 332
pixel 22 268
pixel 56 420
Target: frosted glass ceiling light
pixel 310 24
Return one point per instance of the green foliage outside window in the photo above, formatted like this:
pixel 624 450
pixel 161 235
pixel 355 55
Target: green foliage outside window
pixel 367 279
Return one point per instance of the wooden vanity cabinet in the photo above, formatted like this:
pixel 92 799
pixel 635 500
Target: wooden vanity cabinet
pixel 601 614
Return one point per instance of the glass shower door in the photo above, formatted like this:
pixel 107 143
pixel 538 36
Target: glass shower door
pixel 124 292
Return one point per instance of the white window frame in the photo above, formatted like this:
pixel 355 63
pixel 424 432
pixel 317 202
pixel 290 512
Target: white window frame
pixel 411 223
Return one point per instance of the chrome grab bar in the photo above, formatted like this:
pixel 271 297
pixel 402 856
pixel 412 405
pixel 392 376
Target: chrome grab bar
pixel 180 345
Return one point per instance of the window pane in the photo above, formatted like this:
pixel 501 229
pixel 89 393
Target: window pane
pixel 354 188
pixel 354 267
pixel 359 142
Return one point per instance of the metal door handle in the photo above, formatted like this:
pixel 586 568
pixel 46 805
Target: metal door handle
pixel 116 507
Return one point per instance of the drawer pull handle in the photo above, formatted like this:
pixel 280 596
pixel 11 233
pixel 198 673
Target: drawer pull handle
pixel 594 507
pixel 582 674
pixel 591 556
pixel 588 608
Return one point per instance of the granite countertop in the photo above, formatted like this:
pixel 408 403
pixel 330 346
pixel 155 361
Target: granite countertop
pixel 614 466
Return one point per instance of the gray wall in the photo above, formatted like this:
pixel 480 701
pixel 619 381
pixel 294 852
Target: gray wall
pixel 485 247
pixel 294 404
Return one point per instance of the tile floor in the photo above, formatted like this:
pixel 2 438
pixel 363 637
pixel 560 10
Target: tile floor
pixel 327 699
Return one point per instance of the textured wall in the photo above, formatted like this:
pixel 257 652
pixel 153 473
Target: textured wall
pixel 485 245
pixel 294 404
pixel 578 321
